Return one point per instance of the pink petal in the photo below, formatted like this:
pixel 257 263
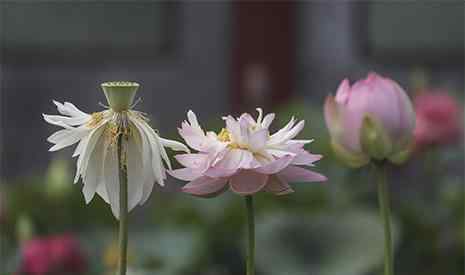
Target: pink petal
pixel 185 173
pixel 298 174
pixel 305 158
pixel 275 166
pixel 192 137
pixel 192 160
pixel 258 139
pixel 277 186
pixel 218 172
pixel 247 182
pixel 343 92
pixel 205 186
pixel 332 116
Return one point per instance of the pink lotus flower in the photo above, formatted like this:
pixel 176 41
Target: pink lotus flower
pixel 372 119
pixel 52 256
pixel 245 157
pixel 439 119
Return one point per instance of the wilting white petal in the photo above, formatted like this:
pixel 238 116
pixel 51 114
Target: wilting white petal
pixel 94 173
pixel 69 138
pixel 174 145
pixel 57 123
pixel 136 174
pixel 88 145
pixel 71 121
pixel 111 178
pixel 102 191
pixel 68 109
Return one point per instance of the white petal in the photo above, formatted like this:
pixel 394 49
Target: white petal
pixel 174 145
pixel 57 123
pixel 102 191
pixel 55 137
pixel 267 120
pixel 69 109
pixel 136 176
pixel 71 121
pixel 260 115
pixel 285 136
pixel 111 178
pixel 141 139
pixel 87 148
pixel 157 165
pixel 70 138
pixel 94 173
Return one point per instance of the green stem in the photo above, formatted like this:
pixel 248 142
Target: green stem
pixel 123 200
pixel 251 234
pixel 383 197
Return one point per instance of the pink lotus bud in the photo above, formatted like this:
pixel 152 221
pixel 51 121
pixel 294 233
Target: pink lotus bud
pixel 52 256
pixel 373 119
pixel 439 119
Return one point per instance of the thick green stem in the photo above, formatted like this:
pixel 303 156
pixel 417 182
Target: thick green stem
pixel 383 197
pixel 123 204
pixel 251 234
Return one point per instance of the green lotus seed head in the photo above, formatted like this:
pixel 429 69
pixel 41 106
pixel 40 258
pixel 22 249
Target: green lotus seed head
pixel 120 94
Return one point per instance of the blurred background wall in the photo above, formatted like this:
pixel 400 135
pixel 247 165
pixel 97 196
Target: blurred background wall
pixel 213 58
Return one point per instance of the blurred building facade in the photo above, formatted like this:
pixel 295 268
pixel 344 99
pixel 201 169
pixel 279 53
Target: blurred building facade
pixel 196 60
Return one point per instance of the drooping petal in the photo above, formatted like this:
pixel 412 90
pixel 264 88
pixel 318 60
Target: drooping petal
pixel 88 147
pixel 248 182
pixel 70 138
pixel 205 186
pixel 193 160
pixel 186 174
pixel 135 172
pixel 57 123
pixel 111 178
pixel 68 109
pixel 71 121
pixel 157 165
pixel 141 138
pixel 277 186
pixel 298 174
pixel 55 137
pixel 102 192
pixel 174 145
pixel 94 174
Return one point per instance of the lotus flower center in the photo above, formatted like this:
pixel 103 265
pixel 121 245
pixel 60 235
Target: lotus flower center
pixel 224 135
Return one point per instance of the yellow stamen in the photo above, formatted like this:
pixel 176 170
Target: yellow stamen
pixel 224 135
pixel 95 119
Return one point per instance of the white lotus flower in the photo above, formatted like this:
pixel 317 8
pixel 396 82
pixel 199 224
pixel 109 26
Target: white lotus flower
pixel 97 136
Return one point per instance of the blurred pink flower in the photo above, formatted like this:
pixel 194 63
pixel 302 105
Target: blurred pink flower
pixel 439 118
pixel 56 255
pixel 245 157
pixel 373 118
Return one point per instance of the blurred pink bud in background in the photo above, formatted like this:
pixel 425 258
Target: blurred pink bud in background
pixel 373 118
pixel 56 255
pixel 439 118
